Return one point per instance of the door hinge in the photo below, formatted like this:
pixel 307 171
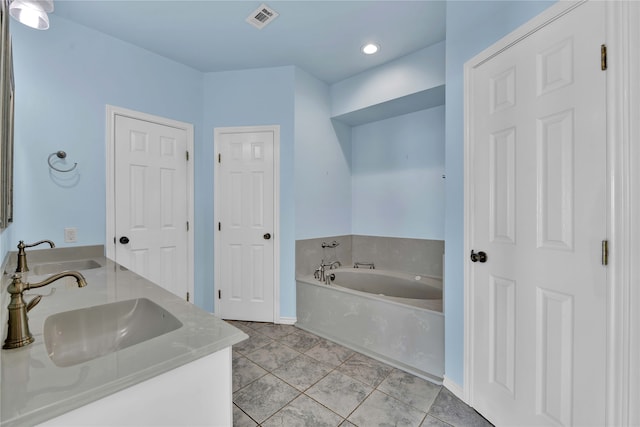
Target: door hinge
pixel 187 225
pixel 187 296
pixel 605 252
pixel 219 227
pixel 219 158
pixel 219 294
pixel 187 156
pixel 603 57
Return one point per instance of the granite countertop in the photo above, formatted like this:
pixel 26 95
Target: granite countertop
pixel 34 389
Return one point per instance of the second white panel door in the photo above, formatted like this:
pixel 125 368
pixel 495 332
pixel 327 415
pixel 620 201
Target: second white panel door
pixel 245 224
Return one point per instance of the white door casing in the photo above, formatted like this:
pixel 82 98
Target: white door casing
pixel 246 205
pixel 536 203
pixel 150 198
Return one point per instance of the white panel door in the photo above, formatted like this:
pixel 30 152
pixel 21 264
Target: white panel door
pixel 151 202
pixel 246 225
pixel 538 197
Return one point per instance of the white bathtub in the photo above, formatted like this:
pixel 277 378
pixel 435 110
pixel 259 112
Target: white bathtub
pixel 393 317
pixel 416 290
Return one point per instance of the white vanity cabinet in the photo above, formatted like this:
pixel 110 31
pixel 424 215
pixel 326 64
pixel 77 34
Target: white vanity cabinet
pixel 196 394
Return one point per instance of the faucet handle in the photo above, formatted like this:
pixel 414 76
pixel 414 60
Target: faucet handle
pixel 34 302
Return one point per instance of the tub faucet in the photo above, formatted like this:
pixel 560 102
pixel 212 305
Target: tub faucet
pixel 19 334
pixel 22 255
pixel 319 273
pixel 334 264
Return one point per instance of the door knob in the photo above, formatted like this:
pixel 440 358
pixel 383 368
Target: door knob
pixel 478 257
pixel 267 236
pixel 124 240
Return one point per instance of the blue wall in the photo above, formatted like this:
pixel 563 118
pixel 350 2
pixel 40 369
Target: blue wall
pixel 231 99
pixel 397 184
pixel 322 163
pixel 64 78
pixel 472 26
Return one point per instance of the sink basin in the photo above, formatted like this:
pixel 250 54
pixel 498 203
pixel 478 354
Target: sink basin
pixel 77 336
pixel 57 267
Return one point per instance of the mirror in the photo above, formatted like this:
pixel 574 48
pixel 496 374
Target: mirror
pixel 7 92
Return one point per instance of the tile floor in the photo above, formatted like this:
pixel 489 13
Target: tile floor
pixel 284 376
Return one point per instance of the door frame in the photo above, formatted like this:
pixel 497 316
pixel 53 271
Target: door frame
pixel 110 243
pixel 622 351
pixel 276 211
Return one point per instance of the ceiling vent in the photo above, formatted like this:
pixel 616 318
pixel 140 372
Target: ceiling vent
pixel 262 16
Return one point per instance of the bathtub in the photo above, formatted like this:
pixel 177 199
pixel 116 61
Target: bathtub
pixel 391 316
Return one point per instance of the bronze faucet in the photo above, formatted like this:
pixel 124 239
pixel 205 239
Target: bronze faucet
pixel 22 256
pixel 19 334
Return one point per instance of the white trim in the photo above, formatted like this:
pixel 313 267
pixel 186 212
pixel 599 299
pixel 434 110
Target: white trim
pixel 287 320
pixel 454 388
pixel 623 353
pixel 545 18
pixel 276 211
pixel 110 245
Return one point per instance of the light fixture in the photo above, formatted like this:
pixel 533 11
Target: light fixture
pixel 370 48
pixel 32 13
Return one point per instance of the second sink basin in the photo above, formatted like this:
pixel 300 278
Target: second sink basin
pixel 78 336
pixel 57 267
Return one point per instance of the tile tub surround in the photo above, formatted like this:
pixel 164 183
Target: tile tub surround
pixel 34 389
pixel 309 253
pixel 415 256
pixel 407 337
pixel 326 384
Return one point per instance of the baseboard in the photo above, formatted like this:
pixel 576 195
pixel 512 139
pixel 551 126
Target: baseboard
pixel 454 388
pixel 287 320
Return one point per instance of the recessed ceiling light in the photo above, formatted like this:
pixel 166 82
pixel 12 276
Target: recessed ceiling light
pixel 370 48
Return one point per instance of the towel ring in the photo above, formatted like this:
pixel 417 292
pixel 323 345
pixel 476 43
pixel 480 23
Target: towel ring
pixel 61 155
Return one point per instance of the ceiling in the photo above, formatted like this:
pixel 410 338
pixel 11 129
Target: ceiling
pixel 321 37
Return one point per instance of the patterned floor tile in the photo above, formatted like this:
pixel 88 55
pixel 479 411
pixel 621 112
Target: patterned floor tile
pixel 303 412
pixel 452 410
pixel 329 353
pixel 382 410
pixel 431 421
pixel 300 340
pixel 245 372
pixel 302 372
pixel 365 369
pixel 272 355
pixel 264 397
pixel 240 419
pixel 252 343
pixel 276 332
pixel 410 389
pixel 339 392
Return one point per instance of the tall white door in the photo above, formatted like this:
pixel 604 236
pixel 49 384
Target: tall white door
pixel 245 262
pixel 151 202
pixel 538 212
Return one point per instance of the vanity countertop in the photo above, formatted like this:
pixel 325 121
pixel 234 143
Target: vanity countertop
pixel 34 389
